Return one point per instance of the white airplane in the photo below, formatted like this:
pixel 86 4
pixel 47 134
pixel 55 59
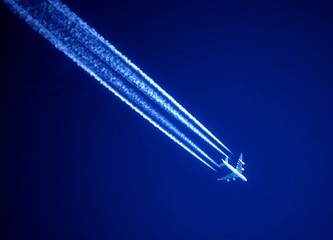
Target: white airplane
pixel 235 172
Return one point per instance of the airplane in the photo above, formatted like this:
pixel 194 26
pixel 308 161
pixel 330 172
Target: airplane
pixel 235 172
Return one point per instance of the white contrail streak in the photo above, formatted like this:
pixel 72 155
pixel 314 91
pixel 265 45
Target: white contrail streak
pixel 172 128
pixel 132 73
pixel 89 50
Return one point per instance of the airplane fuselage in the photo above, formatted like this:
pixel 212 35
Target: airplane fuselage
pixel 231 168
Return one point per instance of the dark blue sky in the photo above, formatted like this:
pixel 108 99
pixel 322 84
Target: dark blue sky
pixel 79 164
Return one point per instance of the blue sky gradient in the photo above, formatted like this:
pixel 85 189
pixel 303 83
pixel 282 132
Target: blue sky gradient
pixel 78 163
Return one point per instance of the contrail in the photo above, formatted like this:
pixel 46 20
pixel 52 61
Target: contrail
pixel 138 78
pixel 100 59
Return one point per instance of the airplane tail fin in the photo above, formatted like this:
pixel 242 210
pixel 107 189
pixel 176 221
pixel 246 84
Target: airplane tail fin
pixel 226 160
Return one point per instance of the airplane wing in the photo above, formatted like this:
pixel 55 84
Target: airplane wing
pixel 240 164
pixel 227 177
